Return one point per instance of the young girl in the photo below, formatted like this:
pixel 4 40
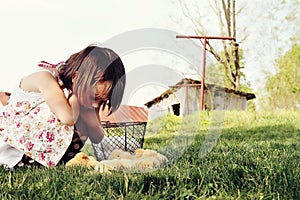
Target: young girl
pixel 54 110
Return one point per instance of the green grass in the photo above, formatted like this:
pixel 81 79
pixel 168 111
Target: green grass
pixel 254 155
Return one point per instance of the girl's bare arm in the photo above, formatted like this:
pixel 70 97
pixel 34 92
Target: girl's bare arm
pixel 45 83
pixel 92 125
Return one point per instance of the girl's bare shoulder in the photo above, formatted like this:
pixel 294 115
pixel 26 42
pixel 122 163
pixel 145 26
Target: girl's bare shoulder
pixel 34 81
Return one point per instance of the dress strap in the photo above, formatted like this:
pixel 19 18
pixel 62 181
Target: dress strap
pixel 46 66
pixel 50 65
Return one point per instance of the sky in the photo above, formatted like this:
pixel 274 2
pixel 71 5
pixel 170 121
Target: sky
pixel 141 31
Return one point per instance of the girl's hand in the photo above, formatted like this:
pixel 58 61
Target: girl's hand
pixel 89 119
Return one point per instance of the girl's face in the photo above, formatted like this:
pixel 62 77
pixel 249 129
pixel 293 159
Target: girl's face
pixel 100 93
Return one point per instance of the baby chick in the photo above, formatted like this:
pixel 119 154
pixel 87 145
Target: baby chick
pixel 145 164
pixel 118 154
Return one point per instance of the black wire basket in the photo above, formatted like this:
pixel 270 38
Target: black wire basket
pixel 127 136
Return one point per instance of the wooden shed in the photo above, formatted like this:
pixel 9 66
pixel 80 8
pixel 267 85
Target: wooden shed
pixel 184 98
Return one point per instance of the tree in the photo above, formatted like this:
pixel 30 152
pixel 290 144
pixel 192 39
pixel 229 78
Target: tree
pixel 215 73
pixel 286 23
pixel 280 90
pixel 284 86
pixel 225 11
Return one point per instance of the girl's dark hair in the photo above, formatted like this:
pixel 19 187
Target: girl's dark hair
pixel 91 65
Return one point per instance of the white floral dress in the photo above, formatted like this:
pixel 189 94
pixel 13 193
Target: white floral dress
pixel 29 127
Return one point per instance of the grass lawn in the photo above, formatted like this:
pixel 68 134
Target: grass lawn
pixel 219 155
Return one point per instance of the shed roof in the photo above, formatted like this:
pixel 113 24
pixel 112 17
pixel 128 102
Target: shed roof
pixel 125 114
pixel 187 82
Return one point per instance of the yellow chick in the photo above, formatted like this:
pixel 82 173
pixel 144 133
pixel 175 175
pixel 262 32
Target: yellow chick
pixel 145 164
pixel 138 153
pixel 118 154
pixel 89 161
pixel 81 156
pixel 114 164
pixel 148 153
pixel 103 168
pixel 126 163
pixel 72 162
pixel 92 163
pixel 161 158
pixel 145 153
pixel 92 158
pixel 79 159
